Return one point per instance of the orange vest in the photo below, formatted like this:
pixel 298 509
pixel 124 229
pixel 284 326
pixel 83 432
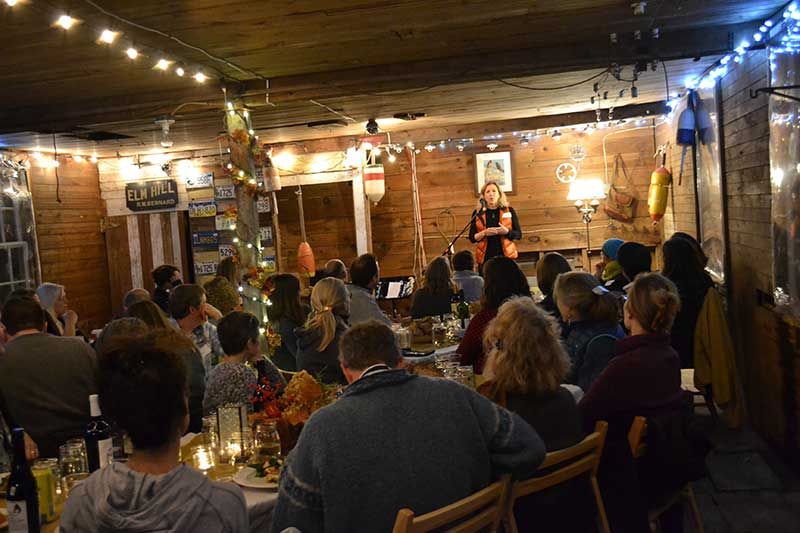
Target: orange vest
pixel 509 248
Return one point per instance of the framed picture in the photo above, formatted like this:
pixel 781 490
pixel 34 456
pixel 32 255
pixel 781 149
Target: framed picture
pixel 494 166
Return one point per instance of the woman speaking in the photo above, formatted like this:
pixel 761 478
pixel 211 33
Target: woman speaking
pixel 496 226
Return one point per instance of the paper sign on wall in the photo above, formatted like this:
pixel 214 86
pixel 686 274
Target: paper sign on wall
pixel 202 208
pixel 224 192
pixel 265 236
pixel 227 250
pixel 205 268
pixel 224 223
pixel 263 205
pixel 201 181
pixel 205 240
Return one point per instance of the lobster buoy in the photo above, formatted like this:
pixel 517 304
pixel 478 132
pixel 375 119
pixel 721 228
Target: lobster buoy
pixel 305 260
pixel 658 193
pixel 374 182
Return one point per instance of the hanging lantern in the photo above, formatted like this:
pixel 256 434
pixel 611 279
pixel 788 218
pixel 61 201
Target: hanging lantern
pixel 374 183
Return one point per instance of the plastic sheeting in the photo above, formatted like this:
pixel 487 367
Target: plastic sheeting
pixel 784 156
pixel 19 258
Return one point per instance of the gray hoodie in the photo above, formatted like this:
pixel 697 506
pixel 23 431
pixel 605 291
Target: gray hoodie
pixel 118 499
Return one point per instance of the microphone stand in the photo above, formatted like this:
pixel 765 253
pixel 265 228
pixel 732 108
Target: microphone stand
pixel 449 250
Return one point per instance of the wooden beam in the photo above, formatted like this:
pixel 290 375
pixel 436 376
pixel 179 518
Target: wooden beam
pixel 593 53
pixel 477 131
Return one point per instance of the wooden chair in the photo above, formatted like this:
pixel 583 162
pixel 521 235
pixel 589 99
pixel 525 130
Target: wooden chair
pixel 636 436
pixel 561 466
pixel 478 512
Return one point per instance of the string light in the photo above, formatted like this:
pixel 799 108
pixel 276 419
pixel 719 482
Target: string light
pixel 180 72
pixel 93 159
pixel 132 53
pixel 66 22
pixel 11 3
pixel 108 36
pixel 78 158
pixel 200 77
pixel 163 64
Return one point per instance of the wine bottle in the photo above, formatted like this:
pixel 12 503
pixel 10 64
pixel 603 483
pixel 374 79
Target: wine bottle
pixel 22 500
pixel 98 436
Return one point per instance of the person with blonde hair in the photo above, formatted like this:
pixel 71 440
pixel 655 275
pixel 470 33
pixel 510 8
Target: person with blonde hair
pixel 54 301
pixel 318 339
pixel 495 226
pixel 148 312
pixel 525 367
pixel 591 313
pixel 222 291
pixel 436 294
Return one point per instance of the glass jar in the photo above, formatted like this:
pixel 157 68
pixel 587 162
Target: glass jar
pixel 267 440
pixel 404 338
pixel 438 333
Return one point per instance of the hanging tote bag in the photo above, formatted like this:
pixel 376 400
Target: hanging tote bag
pixel 621 202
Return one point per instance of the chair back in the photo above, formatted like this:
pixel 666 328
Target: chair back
pixel 636 436
pixel 560 467
pixel 479 512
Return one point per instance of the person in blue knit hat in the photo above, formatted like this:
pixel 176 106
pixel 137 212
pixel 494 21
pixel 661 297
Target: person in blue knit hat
pixel 609 271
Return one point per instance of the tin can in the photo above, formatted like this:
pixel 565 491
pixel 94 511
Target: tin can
pixel 46 487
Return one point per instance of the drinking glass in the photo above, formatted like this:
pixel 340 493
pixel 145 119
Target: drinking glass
pixel 267 440
pixel 466 375
pixel 72 463
pixel 441 360
pixel 438 333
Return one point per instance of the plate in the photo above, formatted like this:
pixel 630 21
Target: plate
pixel 246 477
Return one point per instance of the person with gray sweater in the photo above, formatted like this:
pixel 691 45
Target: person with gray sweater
pixel 396 440
pixel 45 380
pixel 142 384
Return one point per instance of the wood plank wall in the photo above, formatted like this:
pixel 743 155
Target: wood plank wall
pixel 681 209
pixel 768 346
pixel 549 221
pixel 72 248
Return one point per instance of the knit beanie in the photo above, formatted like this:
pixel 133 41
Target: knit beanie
pixel 611 246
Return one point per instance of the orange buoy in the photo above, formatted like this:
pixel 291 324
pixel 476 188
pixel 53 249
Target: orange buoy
pixel 305 259
pixel 658 194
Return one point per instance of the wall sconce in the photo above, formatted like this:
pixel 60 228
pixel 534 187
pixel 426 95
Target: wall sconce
pixel 587 193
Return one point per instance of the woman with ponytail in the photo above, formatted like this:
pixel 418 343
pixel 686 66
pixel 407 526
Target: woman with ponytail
pixel 318 340
pixel 590 312
pixel 643 379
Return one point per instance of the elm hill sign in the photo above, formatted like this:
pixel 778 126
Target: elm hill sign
pixel 151 195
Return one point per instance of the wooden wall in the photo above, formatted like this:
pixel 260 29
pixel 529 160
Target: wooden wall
pixel 549 221
pixel 768 346
pixel 72 248
pixel 681 209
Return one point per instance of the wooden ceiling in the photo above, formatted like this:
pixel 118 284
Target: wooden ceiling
pixel 349 56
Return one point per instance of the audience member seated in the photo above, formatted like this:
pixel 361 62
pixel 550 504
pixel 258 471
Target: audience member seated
pixel 122 327
pixel 465 277
pixel 30 293
pixel 134 296
pixel 151 314
pixel 45 380
pixel 644 379
pixel 682 266
pixel 335 268
pixel 591 311
pixel 232 381
pixel 634 258
pixel 503 279
pixel 525 367
pixel 364 277
pixel 702 258
pixel 165 278
pixel 396 440
pixel 547 270
pixel 187 305
pixel 285 315
pixel 63 320
pixel 435 296
pixel 609 270
pixel 222 290
pixel 142 385
pixel 318 340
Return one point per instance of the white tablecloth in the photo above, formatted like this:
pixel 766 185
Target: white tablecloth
pixel 260 504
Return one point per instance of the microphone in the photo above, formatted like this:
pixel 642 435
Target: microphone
pixel 483 204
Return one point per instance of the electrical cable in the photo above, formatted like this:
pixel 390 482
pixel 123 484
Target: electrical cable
pixel 177 40
pixel 328 108
pixel 552 88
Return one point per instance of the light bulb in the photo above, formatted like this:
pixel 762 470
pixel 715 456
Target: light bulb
pixel 241 289
pixel 11 3
pixel 264 264
pixel 200 77
pixel 392 158
pixel 249 245
pixel 93 159
pixel 460 147
pixel 236 240
pixel 132 53
pixel 163 64
pixel 66 22
pixel 492 146
pixel 78 158
pixel 251 132
pixel 108 36
pixel 429 147
pixel 180 72
pixel 233 226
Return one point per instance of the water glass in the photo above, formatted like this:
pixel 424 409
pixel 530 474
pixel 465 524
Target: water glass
pixel 442 360
pixel 73 463
pixel 438 333
pixel 466 375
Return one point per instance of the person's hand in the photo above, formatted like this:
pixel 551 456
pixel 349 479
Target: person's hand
pixel 598 269
pixel 500 230
pixel 31 449
pixel 70 317
pixel 212 312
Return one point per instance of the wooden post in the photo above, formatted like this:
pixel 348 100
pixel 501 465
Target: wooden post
pixel 361 214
